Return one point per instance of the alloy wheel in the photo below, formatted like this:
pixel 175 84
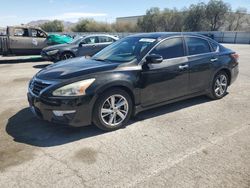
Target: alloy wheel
pixel 114 110
pixel 67 56
pixel 220 86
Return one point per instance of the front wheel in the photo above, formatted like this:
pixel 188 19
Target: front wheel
pixel 112 110
pixel 219 86
pixel 67 55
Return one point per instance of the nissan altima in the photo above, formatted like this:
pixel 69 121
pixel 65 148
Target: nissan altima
pixel 131 75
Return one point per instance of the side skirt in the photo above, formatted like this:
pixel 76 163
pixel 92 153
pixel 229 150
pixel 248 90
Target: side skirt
pixel 140 108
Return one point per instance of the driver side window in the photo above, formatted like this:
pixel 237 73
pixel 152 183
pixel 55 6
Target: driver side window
pixel 37 33
pixel 170 48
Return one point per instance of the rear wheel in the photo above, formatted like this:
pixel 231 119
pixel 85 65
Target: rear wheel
pixel 112 110
pixel 67 55
pixel 219 86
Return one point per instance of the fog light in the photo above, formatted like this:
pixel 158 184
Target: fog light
pixel 62 113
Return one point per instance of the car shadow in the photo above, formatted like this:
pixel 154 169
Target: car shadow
pixel 22 60
pixel 24 127
pixel 41 66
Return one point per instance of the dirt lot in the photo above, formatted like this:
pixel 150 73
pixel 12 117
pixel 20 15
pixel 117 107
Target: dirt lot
pixel 193 143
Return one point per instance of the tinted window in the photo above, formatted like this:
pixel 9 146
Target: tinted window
pixel 103 39
pixel 215 46
pixel 197 46
pixel 127 49
pixel 170 48
pixel 91 40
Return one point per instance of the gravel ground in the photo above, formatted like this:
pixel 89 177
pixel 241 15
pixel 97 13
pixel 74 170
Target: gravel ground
pixel 192 143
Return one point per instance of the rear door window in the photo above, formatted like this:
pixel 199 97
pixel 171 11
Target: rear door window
pixel 170 48
pixel 197 46
pixel 20 32
pixel 215 46
pixel 103 39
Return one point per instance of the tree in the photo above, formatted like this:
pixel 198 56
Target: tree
pixel 216 11
pixel 125 27
pixel 166 20
pixel 53 26
pixel 240 15
pixel 196 20
pixel 90 25
pixel 81 26
pixel 171 20
pixel 150 22
pixel 237 20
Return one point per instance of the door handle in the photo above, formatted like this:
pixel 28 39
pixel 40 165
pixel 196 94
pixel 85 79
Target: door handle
pixel 183 67
pixel 214 59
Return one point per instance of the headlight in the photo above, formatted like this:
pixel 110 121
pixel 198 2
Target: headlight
pixel 74 89
pixel 52 52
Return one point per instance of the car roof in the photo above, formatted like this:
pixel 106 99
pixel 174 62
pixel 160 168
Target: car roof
pixel 97 35
pixel 163 35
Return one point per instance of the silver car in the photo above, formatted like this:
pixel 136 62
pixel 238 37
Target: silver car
pixel 81 46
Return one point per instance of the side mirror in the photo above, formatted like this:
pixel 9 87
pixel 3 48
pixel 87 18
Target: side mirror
pixel 154 59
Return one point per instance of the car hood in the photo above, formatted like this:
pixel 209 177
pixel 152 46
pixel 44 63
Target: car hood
pixel 73 68
pixel 56 47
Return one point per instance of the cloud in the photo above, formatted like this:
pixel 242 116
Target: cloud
pixel 74 16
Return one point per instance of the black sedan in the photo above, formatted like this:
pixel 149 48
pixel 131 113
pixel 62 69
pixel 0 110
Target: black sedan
pixel 81 46
pixel 134 74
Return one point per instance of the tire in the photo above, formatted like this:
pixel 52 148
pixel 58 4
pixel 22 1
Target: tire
pixel 109 117
pixel 219 87
pixel 67 55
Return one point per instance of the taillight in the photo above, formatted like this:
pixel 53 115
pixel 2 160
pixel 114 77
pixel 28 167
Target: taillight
pixel 235 56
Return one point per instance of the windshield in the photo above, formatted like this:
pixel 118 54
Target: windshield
pixel 126 50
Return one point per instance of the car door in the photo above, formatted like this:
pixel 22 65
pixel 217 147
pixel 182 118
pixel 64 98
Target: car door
pixel 20 41
pixel 38 40
pixel 88 46
pixel 169 79
pixel 201 58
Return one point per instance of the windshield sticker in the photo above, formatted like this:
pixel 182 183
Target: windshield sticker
pixel 147 40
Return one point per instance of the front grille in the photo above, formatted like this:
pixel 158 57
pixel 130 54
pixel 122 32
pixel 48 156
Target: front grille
pixel 38 87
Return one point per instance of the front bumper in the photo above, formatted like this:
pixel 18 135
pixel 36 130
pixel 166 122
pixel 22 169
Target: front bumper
pixel 55 57
pixel 80 109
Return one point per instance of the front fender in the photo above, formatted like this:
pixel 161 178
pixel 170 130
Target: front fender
pixel 125 80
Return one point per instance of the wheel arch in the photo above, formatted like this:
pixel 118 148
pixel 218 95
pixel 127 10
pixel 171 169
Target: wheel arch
pixel 119 85
pixel 227 71
pixel 123 86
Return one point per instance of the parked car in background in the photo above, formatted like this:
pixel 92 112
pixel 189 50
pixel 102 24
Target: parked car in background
pixel 134 74
pixel 81 46
pixel 25 40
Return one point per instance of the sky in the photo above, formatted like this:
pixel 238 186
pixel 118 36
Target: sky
pixel 15 12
